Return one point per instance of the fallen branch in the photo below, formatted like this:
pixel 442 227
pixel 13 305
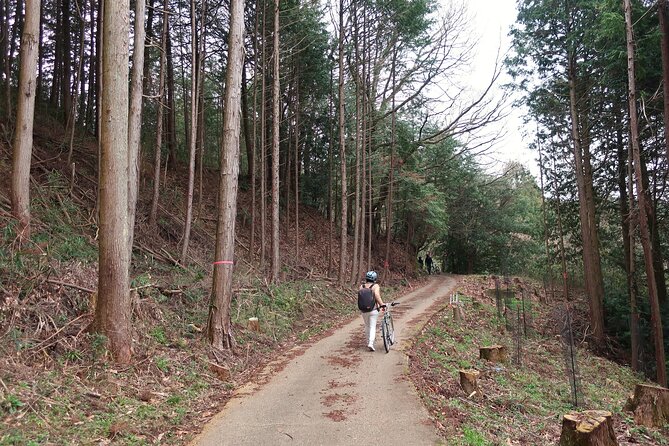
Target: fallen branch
pixel 70 285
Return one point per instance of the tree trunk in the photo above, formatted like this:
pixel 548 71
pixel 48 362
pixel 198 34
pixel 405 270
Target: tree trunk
pixel 276 97
pixel 249 142
pixel 342 151
pixel 113 309
pixel 646 238
pixel 171 106
pixel 263 141
pixel 153 216
pixel 664 44
pixel 4 56
pixel 254 136
pixel 135 119
pixel 626 217
pixel 219 331
pixel 389 204
pixel 192 140
pixel 591 261
pixel 297 166
pixel 25 115
pixel 66 83
pixel 658 261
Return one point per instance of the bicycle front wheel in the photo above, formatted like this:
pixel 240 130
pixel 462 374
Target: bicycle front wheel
pixel 391 329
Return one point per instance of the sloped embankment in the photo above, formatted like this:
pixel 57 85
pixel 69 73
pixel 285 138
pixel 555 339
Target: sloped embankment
pixel 517 403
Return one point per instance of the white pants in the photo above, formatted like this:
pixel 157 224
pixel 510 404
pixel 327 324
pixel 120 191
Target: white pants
pixel 370 325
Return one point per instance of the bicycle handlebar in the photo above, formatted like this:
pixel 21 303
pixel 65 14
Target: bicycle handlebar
pixel 392 304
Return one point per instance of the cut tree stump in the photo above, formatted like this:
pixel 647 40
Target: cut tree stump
pixel 468 380
pixel 254 324
pixel 494 353
pixel 650 405
pixel 588 428
pixel 458 314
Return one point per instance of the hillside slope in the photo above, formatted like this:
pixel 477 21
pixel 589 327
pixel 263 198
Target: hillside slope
pixel 522 401
pixel 57 383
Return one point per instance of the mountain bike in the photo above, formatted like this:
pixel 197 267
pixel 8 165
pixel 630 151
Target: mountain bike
pixel 387 327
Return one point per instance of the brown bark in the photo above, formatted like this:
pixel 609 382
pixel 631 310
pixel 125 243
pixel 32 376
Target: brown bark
pixel 646 237
pixel 219 331
pixel 296 166
pixel 591 260
pixel 263 141
pixel 171 105
pixel 493 353
pixel 276 97
pixel 153 215
pixel 135 118
pixel 468 381
pixel 664 45
pixel 588 428
pixel 342 151
pixel 650 405
pixel 25 115
pixel 192 140
pixel 626 217
pixel 113 308
pixel 254 136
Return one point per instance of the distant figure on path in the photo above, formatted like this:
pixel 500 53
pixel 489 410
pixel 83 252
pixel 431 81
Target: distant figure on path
pixel 370 290
pixel 428 263
pixel 420 263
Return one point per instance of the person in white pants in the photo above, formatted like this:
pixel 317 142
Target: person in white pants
pixel 371 317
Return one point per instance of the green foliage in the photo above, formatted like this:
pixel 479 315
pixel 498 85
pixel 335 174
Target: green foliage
pixel 11 403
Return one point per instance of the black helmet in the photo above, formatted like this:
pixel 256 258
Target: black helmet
pixel 371 276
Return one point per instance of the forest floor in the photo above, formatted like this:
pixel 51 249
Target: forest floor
pixel 58 384
pixel 522 401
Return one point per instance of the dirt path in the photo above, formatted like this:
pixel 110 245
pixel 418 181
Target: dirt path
pixel 336 392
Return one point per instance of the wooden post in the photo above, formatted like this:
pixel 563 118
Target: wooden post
pixel 650 405
pixel 493 353
pixel 588 428
pixel 468 381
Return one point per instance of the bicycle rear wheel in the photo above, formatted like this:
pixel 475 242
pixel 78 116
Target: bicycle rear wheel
pixel 391 329
pixel 385 334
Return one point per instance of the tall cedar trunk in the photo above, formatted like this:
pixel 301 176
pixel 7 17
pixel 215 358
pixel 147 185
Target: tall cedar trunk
pixel 153 216
pixel 135 119
pixel 147 81
pixel 664 43
pixel 72 120
pixel 331 212
pixel 646 237
pixel 171 105
pixel 200 148
pixel 4 57
pixel 543 205
pixel 625 184
pixel 248 140
pixel 91 101
pixel 219 331
pixel 113 309
pixel 587 217
pixel 389 204
pixel 263 141
pixel 252 243
pixel 25 114
pixel 7 67
pixel 296 165
pixel 66 94
pixel 358 134
pixel 658 261
pixel 192 139
pixel 276 97
pixel 563 256
pixel 342 151
pixel 98 66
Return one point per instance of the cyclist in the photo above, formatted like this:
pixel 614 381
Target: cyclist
pixel 371 317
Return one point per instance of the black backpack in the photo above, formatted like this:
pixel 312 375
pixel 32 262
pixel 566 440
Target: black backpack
pixel 366 301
